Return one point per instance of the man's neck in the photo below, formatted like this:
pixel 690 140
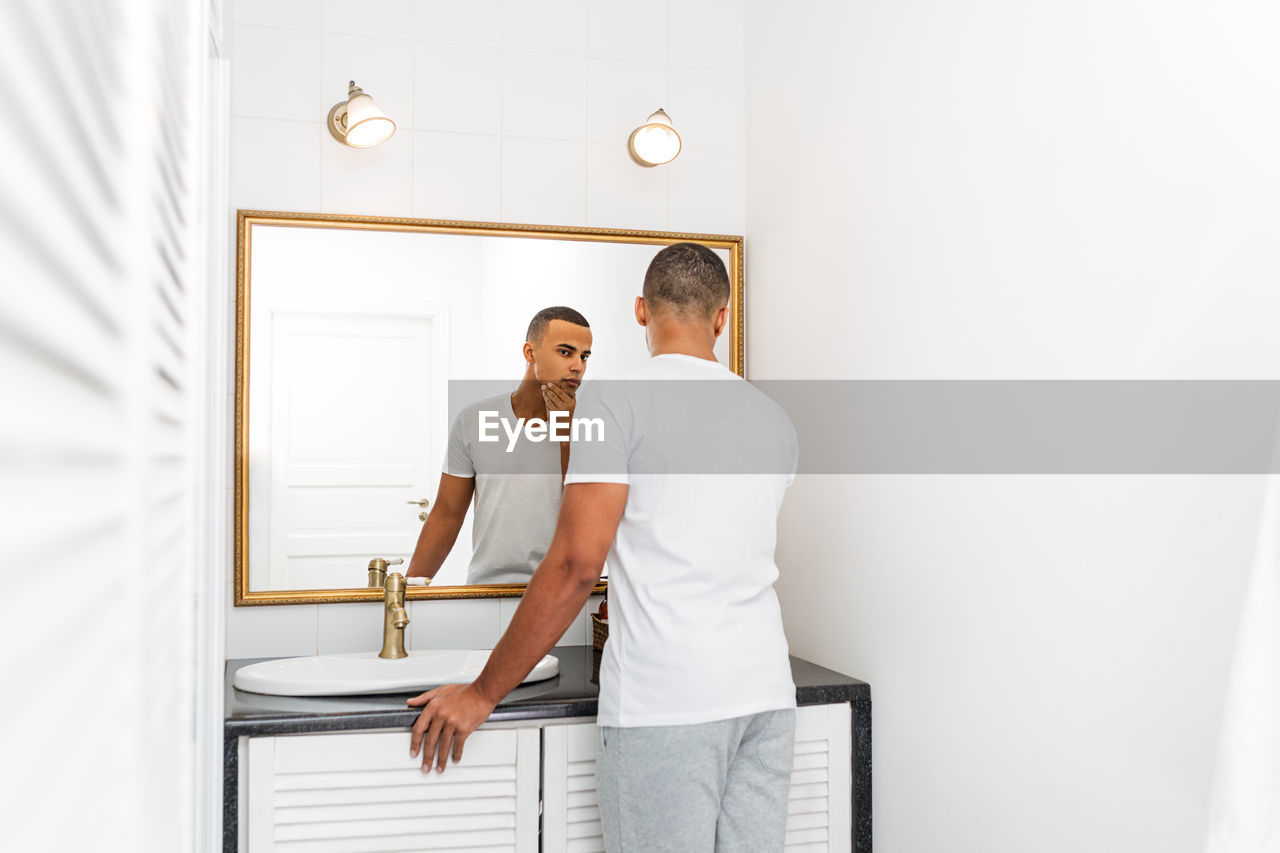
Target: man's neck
pixel 682 342
pixel 527 400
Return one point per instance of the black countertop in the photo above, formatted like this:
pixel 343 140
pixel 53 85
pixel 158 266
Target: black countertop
pixel 572 693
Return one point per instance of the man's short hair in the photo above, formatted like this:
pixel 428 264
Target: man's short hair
pixel 688 279
pixel 538 325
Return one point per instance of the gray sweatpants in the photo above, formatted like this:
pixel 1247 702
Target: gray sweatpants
pixel 719 786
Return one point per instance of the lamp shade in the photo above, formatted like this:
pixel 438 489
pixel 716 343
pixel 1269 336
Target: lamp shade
pixel 655 142
pixel 358 121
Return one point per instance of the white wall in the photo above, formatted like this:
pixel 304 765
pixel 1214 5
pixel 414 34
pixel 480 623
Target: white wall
pixel 105 583
pixel 513 112
pixel 993 190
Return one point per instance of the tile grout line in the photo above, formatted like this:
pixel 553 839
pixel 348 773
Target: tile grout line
pixel 502 112
pixel 588 55
pixel 413 138
pixel 320 196
pixel 586 107
pixel 586 119
pixel 668 174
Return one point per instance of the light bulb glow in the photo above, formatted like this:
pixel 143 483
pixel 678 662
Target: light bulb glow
pixel 371 131
pixel 655 142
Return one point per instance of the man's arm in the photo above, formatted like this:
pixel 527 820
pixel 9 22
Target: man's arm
pixel 589 516
pixel 442 525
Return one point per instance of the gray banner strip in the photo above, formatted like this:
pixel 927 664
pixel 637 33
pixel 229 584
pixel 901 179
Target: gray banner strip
pixel 959 427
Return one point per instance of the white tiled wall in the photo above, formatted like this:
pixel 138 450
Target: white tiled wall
pixel 506 111
pixel 510 111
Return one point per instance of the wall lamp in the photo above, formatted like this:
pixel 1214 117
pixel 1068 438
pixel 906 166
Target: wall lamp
pixel 655 142
pixel 358 122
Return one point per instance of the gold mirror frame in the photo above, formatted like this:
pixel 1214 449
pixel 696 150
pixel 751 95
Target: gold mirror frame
pixel 246 219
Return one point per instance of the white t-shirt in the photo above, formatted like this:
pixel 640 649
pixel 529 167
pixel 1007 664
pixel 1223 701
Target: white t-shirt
pixel 517 495
pixel 695 630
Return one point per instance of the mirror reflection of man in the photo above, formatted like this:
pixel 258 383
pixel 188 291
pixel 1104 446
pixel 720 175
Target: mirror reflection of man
pixel 517 491
pixel 697 703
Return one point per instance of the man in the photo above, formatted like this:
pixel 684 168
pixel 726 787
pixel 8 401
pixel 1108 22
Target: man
pixel 516 486
pixel 697 705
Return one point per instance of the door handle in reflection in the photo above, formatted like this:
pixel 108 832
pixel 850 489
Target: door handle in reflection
pixel 422 502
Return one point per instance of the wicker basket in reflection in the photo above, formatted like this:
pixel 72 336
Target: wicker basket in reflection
pixel 599 632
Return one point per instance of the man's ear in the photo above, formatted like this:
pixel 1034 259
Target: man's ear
pixel 642 311
pixel 720 320
pixel 528 351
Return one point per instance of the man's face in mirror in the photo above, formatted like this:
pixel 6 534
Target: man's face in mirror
pixel 561 355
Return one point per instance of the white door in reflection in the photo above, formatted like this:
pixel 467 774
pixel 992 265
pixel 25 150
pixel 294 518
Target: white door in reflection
pixel 350 427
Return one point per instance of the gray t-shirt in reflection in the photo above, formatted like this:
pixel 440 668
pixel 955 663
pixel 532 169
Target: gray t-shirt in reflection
pixel 517 494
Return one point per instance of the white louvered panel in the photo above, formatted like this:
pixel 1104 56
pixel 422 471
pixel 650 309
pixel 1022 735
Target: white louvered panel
pixel 819 807
pixel 809 804
pixel 380 803
pixel 571 817
pixel 463 843
pixel 330 797
pixel 818 838
pixel 388 751
pixel 809 791
pixel 436 833
pixel 362 792
pixel 476 781
pixel 499 782
pixel 97 483
pixel 583 833
pixel 292 789
pixel 582 778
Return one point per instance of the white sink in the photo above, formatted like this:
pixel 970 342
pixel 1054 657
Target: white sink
pixel 365 672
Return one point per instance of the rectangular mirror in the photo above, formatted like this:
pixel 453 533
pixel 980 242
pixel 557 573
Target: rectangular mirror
pixel 348 332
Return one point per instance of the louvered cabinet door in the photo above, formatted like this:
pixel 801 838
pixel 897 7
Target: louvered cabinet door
pixel 570 817
pixel 820 806
pixel 362 793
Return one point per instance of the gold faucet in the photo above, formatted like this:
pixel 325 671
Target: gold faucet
pixel 378 570
pixel 394 618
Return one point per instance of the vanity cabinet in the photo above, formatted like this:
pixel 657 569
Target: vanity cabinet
pixel 361 791
pixel 329 774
